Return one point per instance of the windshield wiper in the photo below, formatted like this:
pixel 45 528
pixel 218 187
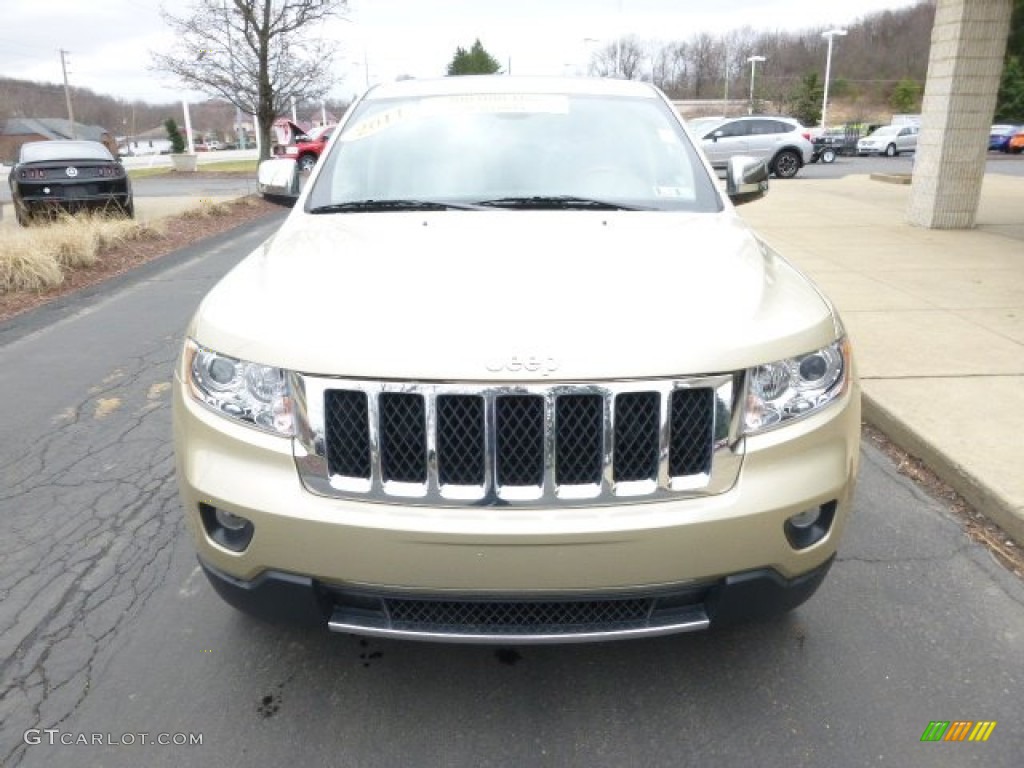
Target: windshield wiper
pixel 363 206
pixel 558 202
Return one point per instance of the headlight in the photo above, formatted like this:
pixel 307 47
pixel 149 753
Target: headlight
pixel 251 393
pixel 789 389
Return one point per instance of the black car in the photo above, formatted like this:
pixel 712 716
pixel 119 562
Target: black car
pixel 55 176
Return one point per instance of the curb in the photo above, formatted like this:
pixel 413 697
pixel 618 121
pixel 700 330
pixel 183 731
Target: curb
pixel 892 178
pixel 975 491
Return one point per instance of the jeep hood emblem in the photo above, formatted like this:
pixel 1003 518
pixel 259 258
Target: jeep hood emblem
pixel 542 364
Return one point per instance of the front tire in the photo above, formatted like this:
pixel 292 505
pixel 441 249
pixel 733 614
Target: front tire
pixel 786 164
pixel 306 163
pixel 22 217
pixel 890 151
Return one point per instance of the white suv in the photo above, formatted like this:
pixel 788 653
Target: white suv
pixel 780 141
pixel 514 370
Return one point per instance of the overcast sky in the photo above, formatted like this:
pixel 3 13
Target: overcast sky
pixel 109 40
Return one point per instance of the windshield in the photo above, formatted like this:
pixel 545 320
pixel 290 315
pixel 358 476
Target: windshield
pixel 41 151
pixel 316 133
pixel 515 150
pixel 887 130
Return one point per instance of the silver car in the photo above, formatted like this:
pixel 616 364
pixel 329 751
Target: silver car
pixel 780 141
pixel 889 140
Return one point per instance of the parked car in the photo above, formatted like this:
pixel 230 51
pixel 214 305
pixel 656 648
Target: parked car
pixel 889 140
pixel 1015 145
pixel 54 176
pixel 305 149
pixel 514 370
pixel 781 141
pixel 999 136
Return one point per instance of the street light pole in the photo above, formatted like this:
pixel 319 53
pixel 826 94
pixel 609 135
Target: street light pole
pixel 753 69
pixel 828 72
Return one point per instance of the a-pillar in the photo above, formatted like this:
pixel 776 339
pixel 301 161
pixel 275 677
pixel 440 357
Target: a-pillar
pixel 964 68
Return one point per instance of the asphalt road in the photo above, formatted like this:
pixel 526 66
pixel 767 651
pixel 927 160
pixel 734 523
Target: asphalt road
pixel 108 631
pixel 997 162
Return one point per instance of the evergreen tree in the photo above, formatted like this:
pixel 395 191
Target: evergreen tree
pixel 177 140
pixel 807 99
pixel 475 61
pixel 1010 102
pixel 906 96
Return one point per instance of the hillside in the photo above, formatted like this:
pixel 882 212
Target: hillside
pixel 879 51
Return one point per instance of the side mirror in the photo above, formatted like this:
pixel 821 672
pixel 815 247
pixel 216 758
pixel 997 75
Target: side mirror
pixel 746 179
pixel 278 180
pixel 716 135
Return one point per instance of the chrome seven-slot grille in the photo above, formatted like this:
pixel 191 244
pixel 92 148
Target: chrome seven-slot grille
pixel 453 444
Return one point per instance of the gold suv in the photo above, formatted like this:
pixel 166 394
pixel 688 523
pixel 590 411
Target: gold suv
pixel 513 370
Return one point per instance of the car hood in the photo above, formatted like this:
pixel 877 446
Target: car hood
pixel 510 295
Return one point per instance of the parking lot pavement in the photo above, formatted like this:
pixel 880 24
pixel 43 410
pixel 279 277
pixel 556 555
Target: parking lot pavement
pixel 936 318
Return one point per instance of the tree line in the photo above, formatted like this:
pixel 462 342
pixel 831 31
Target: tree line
pixel 882 59
pixel 878 54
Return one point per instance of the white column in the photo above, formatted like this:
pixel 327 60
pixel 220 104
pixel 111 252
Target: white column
pixel 964 69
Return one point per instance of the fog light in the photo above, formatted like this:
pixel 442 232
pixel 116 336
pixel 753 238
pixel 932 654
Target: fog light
pixel 805 519
pixel 231 531
pixel 807 528
pixel 230 521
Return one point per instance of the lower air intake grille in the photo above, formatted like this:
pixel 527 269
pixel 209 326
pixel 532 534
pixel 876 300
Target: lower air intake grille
pixel 516 617
pixel 555 619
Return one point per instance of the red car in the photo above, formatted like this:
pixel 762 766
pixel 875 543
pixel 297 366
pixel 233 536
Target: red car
pixel 306 148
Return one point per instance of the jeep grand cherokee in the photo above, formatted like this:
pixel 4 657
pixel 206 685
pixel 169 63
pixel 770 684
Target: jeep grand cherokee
pixel 514 370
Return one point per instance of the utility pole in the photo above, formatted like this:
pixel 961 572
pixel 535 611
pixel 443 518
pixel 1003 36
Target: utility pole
pixel 725 101
pixel 67 93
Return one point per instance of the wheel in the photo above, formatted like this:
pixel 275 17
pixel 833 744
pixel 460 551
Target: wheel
pixel 306 163
pixel 786 164
pixel 21 216
pixel 890 151
pixel 828 155
pixel 129 209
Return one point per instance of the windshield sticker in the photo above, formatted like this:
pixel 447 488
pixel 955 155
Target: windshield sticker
pixel 497 103
pixel 463 104
pixel 673 192
pixel 378 122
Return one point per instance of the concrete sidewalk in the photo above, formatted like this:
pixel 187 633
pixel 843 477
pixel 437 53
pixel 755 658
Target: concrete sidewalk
pixel 936 319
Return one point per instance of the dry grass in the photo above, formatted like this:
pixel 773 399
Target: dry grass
pixel 25 284
pixel 211 210
pixel 38 257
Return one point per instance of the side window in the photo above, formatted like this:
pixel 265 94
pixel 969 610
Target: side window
pixel 768 127
pixel 738 128
pixel 781 127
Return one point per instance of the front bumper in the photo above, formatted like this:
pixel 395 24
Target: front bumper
pixel 308 550
pixel 301 601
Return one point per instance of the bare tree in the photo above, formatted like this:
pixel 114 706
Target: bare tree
pixel 256 54
pixel 627 53
pixel 707 58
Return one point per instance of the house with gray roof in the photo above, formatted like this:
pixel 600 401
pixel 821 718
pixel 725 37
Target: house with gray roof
pixel 16 131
